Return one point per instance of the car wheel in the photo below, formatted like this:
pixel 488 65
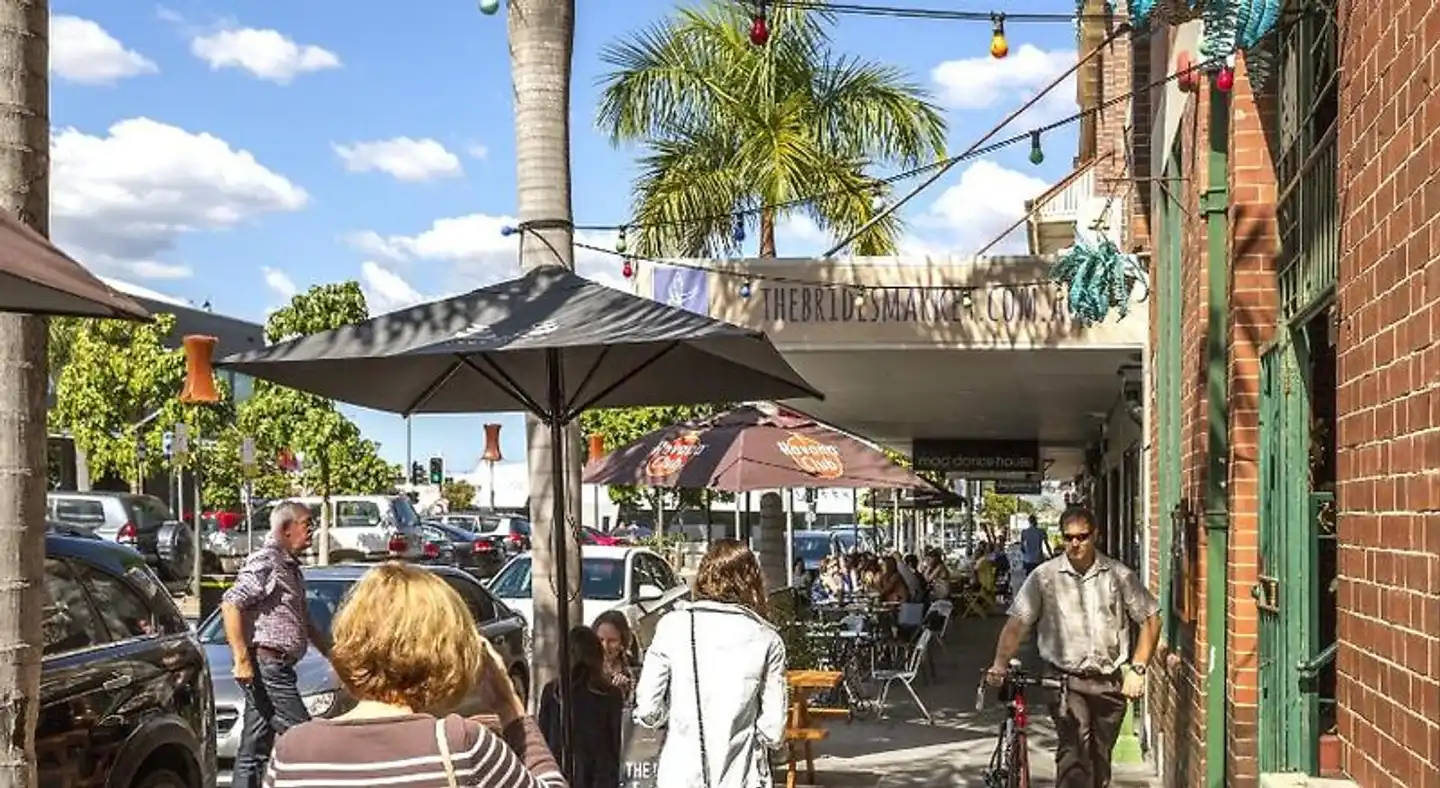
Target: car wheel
pixel 160 778
pixel 521 684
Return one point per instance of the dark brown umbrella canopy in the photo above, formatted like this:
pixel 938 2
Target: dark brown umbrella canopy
pixel 748 449
pixel 37 278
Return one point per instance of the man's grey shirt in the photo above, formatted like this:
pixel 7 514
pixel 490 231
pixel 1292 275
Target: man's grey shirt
pixel 1082 621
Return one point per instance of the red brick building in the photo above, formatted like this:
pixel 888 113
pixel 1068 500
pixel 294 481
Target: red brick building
pixel 1293 467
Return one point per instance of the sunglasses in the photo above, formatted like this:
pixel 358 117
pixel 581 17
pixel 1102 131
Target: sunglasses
pixel 1078 538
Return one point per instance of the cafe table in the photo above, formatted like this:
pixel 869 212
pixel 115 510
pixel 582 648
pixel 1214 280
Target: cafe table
pixel 800 729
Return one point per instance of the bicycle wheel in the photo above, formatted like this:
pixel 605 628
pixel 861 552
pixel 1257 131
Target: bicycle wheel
pixel 1020 762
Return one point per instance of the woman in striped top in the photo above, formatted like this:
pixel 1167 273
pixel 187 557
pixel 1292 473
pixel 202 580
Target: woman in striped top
pixel 406 647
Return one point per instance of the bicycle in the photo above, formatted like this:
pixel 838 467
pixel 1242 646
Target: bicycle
pixel 1010 764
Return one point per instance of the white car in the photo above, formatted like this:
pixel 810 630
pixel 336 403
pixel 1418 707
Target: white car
pixel 633 580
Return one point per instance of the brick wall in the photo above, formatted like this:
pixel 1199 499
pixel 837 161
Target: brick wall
pixel 1388 682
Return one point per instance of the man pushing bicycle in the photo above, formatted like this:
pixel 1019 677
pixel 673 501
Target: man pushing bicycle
pixel 1081 604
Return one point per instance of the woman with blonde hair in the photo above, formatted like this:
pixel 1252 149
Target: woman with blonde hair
pixel 406 647
pixel 715 675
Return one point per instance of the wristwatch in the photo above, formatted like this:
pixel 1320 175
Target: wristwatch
pixel 1138 670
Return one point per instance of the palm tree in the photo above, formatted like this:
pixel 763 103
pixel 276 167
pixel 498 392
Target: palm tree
pixel 729 128
pixel 25 191
pixel 542 44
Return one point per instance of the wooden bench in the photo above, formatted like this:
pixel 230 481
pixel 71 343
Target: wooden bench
pixel 797 745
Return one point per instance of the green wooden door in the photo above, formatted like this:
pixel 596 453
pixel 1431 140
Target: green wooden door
pixel 1286 595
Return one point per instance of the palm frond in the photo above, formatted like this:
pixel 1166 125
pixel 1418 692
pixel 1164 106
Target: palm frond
pixel 872 108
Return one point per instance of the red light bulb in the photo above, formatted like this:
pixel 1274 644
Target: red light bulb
pixel 1225 80
pixel 759 31
pixel 627 270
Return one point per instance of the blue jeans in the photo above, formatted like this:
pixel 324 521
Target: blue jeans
pixel 272 706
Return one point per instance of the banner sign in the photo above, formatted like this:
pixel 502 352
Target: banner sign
pixel 682 288
pixel 1017 486
pixel 994 303
pixel 976 457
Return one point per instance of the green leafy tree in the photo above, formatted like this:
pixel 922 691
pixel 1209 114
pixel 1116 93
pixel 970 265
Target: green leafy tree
pixel 118 394
pixel 337 458
pixel 727 126
pixel 623 426
pixel 996 511
pixel 459 494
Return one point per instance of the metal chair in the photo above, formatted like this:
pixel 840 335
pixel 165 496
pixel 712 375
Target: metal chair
pixel 906 677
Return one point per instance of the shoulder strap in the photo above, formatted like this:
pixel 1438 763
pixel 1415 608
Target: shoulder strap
pixel 442 740
pixel 699 722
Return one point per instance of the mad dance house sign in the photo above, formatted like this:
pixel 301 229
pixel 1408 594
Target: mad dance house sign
pixel 996 304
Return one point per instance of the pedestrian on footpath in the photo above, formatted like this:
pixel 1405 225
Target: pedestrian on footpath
pixel 1034 547
pixel 268 627
pixel 1083 605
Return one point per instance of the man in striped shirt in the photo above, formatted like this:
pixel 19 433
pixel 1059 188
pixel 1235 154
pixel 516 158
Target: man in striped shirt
pixel 268 627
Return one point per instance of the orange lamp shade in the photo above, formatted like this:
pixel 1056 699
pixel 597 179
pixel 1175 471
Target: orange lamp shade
pixel 199 374
pixel 597 446
pixel 492 444
pixel 1187 76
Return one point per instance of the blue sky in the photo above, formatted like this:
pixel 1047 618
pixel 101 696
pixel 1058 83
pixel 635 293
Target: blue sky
pixel 234 152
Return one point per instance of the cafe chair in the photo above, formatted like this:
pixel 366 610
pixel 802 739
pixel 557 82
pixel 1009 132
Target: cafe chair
pixel 906 677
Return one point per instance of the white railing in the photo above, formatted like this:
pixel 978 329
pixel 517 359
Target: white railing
pixel 1064 205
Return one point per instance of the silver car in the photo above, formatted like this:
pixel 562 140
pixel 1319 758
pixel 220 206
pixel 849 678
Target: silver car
pixel 325 589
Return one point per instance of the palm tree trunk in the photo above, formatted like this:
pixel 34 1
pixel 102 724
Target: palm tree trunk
pixel 767 233
pixel 24 191
pixel 542 43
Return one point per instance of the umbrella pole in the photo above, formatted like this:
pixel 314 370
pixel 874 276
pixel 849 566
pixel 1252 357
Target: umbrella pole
pixel 561 558
pixel 790 536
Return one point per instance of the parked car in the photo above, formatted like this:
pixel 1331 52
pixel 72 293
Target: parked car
pixel 479 554
pixel 597 537
pixel 634 580
pixel 142 522
pixel 811 547
pixel 125 690
pixel 363 528
pixel 325 589
pixel 438 548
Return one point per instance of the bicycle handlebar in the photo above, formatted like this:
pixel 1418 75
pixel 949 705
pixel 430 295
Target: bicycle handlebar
pixel 1017 678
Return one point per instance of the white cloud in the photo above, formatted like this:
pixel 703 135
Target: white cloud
pixel 480 254
pixel 120 201
pixel 82 51
pixel 403 158
pixel 267 54
pixel 478 151
pixel 279 282
pixel 965 217
pixel 983 82
pixel 386 291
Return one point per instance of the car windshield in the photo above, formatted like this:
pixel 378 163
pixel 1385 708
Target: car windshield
pixel 487 525
pixel 812 548
pixel 604 579
pixel 323 597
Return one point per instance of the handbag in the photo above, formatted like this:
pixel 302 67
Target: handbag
pixel 699 721
pixel 443 742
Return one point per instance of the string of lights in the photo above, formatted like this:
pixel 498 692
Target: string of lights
pixel 1034 136
pixel 947 14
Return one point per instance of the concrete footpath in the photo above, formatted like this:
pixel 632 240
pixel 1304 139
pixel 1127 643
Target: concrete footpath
pixel 902 751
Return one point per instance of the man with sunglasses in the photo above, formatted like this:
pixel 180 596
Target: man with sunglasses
pixel 1082 605
pixel 267 624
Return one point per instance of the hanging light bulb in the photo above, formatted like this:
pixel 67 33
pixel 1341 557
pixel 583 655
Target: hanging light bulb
pixel 620 241
pixel 627 269
pixel 508 231
pixel 489 7
pixel 1037 154
pixel 966 300
pixel 759 28
pixel 738 236
pixel 999 47
pixel 1225 79
pixel 859 298
pixel 745 289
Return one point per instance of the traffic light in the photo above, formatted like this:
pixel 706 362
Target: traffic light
pixel 437 470
pixel 417 473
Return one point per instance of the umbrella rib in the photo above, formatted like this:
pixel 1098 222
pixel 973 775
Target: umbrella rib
pixel 806 389
pixel 594 368
pixel 504 383
pixel 431 389
pixel 575 410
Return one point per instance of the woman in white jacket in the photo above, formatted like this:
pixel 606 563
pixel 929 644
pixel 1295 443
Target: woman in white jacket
pixel 714 675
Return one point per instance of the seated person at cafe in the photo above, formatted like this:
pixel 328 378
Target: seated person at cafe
pixel 891 586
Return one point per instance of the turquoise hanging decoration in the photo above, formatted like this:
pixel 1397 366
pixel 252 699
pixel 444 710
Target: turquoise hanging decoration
pixel 1140 11
pixel 1230 26
pixel 1098 278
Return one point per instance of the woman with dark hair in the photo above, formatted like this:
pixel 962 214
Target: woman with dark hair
pixel 597 743
pixel 618 643
pixel 715 675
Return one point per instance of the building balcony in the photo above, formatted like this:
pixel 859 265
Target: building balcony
pixel 1053 215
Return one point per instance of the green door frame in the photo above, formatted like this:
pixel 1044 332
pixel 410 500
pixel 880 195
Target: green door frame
pixel 1168 393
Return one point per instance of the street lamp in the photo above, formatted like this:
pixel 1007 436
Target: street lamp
pixel 492 455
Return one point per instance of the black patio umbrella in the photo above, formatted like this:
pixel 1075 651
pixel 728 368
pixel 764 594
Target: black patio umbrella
pixel 551 343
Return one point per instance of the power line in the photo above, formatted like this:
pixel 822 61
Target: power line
pixel 902 12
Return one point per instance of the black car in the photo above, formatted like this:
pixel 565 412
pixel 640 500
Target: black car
pixel 480 554
pixel 125 693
